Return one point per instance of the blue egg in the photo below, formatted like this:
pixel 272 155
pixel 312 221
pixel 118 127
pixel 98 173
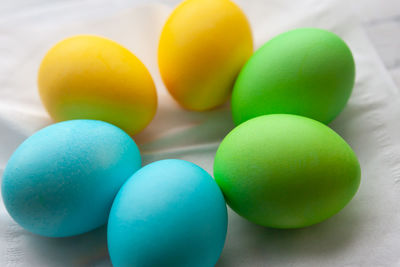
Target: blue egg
pixel 169 213
pixel 62 180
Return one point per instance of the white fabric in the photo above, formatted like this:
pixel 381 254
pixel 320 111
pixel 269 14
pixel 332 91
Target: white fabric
pixel 365 233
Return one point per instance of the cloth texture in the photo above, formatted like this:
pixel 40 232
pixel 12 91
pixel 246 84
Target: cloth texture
pixel 365 233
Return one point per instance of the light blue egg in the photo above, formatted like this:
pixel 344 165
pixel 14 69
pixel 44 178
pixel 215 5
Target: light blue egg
pixel 62 180
pixel 169 213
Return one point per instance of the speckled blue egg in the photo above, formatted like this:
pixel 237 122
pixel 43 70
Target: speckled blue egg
pixel 62 180
pixel 169 213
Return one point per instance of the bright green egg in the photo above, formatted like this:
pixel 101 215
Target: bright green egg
pixel 308 72
pixel 286 171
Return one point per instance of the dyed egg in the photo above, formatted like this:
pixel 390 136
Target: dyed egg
pixel 90 77
pixel 169 213
pixel 308 72
pixel 203 45
pixel 286 171
pixel 62 180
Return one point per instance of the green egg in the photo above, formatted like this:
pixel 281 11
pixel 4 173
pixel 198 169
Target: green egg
pixel 286 171
pixel 308 72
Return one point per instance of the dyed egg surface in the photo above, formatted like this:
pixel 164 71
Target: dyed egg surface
pixel 308 72
pixel 62 180
pixel 203 45
pixel 286 171
pixel 169 213
pixel 90 77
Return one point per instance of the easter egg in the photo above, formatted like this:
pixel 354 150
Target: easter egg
pixel 286 171
pixel 91 77
pixel 308 72
pixel 170 213
pixel 202 47
pixel 62 180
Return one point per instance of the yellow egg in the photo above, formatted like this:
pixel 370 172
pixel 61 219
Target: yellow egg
pixel 91 77
pixel 203 46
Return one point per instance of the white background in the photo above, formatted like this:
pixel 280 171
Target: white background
pixel 365 233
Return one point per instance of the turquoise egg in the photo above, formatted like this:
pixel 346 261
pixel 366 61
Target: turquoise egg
pixel 62 180
pixel 169 213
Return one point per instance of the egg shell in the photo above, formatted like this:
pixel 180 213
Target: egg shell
pixel 286 171
pixel 308 72
pixel 169 213
pixel 62 180
pixel 202 47
pixel 91 77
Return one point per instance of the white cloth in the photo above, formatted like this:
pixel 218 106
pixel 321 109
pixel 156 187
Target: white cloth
pixel 365 233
